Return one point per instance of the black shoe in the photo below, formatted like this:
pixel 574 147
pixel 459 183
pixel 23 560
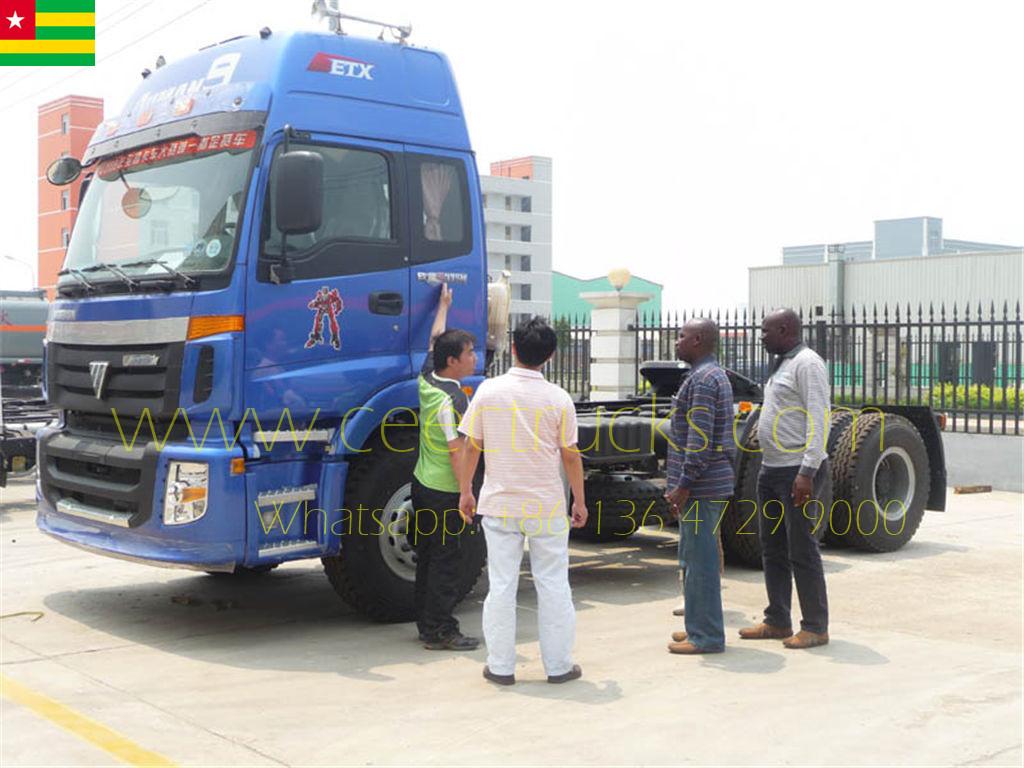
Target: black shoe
pixel 453 642
pixel 499 679
pixel 573 674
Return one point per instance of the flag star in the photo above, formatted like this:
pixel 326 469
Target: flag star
pixel 15 21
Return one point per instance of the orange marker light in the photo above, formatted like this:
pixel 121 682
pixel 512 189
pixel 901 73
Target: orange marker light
pixel 192 494
pixel 208 325
pixel 468 390
pixel 238 466
pixel 745 406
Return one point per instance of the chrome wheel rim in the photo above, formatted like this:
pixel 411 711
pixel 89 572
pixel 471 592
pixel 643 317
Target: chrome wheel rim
pixel 893 483
pixel 393 540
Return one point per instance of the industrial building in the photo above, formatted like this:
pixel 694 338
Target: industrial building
pixel 908 262
pixel 566 290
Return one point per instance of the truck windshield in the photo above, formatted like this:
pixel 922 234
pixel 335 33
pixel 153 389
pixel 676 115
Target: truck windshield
pixel 167 209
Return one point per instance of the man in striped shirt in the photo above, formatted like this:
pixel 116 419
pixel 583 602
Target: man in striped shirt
pixel 700 483
pixel 793 432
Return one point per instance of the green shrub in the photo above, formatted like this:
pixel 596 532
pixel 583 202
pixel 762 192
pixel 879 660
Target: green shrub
pixel 976 397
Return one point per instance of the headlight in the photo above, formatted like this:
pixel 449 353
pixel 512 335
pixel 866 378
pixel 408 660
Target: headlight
pixel 185 499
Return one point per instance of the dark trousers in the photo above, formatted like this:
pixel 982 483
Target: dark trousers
pixel 792 552
pixel 434 531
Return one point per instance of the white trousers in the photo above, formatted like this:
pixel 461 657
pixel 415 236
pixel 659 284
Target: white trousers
pixel 549 566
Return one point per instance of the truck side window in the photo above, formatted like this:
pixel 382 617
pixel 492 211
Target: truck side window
pixel 439 201
pixel 360 229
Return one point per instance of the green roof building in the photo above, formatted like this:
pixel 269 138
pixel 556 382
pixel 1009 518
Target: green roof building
pixel 566 290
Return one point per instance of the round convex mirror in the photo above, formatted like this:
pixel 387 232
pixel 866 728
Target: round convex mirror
pixel 63 170
pixel 136 203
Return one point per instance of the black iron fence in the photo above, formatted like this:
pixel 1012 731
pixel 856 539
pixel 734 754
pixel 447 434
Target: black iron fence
pixel 964 362
pixel 570 367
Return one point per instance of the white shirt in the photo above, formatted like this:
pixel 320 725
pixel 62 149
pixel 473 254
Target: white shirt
pixel 793 428
pixel 523 420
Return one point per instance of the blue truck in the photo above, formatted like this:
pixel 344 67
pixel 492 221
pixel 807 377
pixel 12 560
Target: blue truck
pixel 245 305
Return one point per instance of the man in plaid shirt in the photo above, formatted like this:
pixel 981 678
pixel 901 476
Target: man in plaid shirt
pixel 699 484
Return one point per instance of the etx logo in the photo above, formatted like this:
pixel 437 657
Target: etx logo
pixel 341 66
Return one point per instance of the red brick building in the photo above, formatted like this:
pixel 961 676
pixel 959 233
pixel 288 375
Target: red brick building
pixel 518 168
pixel 65 127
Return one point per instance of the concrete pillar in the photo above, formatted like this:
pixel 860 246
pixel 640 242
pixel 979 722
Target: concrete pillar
pixel 613 353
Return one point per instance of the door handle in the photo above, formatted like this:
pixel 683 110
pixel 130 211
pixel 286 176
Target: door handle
pixel 386 303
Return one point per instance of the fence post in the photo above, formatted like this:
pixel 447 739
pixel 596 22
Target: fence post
pixel 613 346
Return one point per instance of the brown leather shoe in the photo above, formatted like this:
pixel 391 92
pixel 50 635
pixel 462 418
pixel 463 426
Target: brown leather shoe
pixel 804 639
pixel 678 637
pixel 689 649
pixel 764 631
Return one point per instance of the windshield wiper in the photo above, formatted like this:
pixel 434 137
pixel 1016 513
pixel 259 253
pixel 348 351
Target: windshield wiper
pixel 189 281
pixel 77 274
pixel 127 279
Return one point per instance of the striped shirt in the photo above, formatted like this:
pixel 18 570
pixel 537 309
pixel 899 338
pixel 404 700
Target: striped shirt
pixel 793 428
pixel 701 450
pixel 523 421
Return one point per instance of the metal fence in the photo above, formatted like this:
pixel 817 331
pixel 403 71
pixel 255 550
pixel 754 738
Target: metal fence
pixel 962 361
pixel 570 367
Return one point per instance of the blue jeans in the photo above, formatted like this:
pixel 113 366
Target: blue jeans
pixel 702 582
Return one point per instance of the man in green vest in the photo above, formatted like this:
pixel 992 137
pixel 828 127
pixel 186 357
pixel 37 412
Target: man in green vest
pixel 435 484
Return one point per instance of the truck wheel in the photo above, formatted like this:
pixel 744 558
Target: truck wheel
pixel 841 421
pixel 617 508
pixel 739 523
pixel 375 571
pixel 739 532
pixel 881 477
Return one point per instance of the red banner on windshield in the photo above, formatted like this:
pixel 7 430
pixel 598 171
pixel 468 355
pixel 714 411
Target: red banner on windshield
pixel 193 145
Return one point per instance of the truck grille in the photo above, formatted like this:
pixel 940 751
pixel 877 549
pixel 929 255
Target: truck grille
pixel 137 378
pixel 98 478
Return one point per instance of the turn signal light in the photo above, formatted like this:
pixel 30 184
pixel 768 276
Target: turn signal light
pixel 468 390
pixel 745 406
pixel 192 494
pixel 208 325
pixel 238 466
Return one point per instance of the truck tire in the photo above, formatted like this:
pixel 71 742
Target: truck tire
pixel 738 529
pixel 739 532
pixel 881 476
pixel 841 420
pixel 617 508
pixel 375 571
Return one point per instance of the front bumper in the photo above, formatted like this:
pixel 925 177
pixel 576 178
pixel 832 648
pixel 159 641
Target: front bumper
pixel 98 495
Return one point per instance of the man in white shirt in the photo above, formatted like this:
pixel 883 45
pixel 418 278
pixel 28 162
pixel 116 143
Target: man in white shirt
pixel 793 432
pixel 527 427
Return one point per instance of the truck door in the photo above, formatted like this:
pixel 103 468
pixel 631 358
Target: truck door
pixel 446 243
pixel 325 340
pixel 338 330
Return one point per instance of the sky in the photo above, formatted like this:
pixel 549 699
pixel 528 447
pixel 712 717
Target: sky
pixel 690 140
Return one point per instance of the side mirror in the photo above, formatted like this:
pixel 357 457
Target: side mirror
pixel 299 196
pixel 63 171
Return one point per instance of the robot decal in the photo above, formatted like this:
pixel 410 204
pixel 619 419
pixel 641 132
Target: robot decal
pixel 327 304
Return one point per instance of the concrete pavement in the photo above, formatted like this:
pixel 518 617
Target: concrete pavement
pixel 925 666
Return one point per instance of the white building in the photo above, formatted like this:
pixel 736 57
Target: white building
pixel 908 262
pixel 517 214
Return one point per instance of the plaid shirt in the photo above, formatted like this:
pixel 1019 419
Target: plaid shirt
pixel 700 453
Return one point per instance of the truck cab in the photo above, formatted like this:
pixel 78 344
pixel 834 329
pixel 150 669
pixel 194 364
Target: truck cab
pixel 245 306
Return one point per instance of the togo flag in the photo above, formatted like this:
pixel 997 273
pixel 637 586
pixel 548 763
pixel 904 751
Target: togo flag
pixel 47 33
